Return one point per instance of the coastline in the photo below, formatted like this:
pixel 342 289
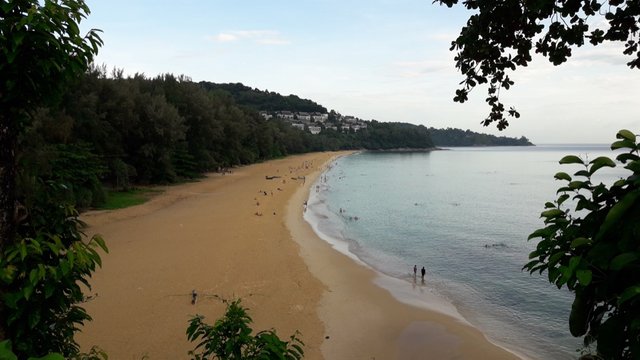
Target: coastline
pixel 225 238
pixel 363 319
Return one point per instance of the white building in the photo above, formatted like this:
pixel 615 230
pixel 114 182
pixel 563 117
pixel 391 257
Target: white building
pixel 287 115
pixel 304 116
pixel 299 126
pixel 320 117
pixel 315 129
pixel 265 115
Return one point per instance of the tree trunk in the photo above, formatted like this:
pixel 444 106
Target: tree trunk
pixel 8 143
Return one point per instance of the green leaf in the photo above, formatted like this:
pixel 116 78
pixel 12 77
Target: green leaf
pixel 530 264
pixel 581 241
pixel 621 260
pixel 5 351
pixel 575 185
pixel 562 176
pixel 599 162
pixel 579 317
pixel 623 158
pixel 27 291
pixel 543 233
pixel 583 173
pixel 562 198
pixel 574 262
pixel 623 144
pixel 551 213
pixel 100 241
pixel 626 134
pixel 617 211
pixel 7 274
pixel 571 159
pixel 584 276
pixel 628 294
pixel 634 166
pixel 34 318
pixel 33 277
pixel 553 260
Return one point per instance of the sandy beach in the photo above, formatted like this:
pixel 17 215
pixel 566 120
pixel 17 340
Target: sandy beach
pixel 242 235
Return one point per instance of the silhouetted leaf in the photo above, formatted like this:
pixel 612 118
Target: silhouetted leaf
pixel 617 211
pixel 622 260
pixel 562 176
pixel 571 159
pixel 628 294
pixel 584 276
pixel 626 134
pixel 623 144
pixel 552 213
pixel 578 242
pixel 599 162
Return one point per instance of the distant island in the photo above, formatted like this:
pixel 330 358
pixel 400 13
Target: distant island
pixel 459 137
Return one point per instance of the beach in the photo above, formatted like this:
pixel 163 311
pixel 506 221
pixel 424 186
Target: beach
pixel 242 235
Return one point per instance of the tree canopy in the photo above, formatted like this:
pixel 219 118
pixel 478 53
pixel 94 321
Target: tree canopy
pixel 43 256
pixel 501 35
pixel 264 100
pixel 459 137
pixel 590 245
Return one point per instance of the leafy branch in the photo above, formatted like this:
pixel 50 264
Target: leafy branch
pixel 597 255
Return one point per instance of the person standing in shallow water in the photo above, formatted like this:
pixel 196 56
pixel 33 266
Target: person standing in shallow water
pixel 415 271
pixel 423 272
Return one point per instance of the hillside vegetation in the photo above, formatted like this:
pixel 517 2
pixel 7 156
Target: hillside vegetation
pixel 117 132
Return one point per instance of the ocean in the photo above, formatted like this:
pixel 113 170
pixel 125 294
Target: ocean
pixel 465 215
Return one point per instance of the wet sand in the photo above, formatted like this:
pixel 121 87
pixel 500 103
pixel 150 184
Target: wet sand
pixel 225 238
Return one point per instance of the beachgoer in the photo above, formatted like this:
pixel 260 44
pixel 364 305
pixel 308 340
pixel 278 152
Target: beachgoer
pixel 194 297
pixel 423 272
pixel 415 270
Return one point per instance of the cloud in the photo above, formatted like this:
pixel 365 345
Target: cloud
pixel 442 36
pixel 610 54
pixel 222 37
pixel 413 69
pixel 265 37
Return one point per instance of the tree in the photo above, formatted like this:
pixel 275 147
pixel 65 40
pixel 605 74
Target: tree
pixel 500 36
pixel 230 338
pixel 42 50
pixel 591 245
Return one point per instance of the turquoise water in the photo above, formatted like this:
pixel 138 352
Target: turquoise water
pixel 464 214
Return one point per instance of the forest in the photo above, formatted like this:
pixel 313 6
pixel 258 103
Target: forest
pixel 113 131
pixel 264 100
pixel 458 137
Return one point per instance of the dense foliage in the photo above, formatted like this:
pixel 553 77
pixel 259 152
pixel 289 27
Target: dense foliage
pixel 122 131
pixel 264 100
pixel 231 338
pixel 500 36
pixel 591 245
pixel 42 273
pixel 44 259
pixel 458 137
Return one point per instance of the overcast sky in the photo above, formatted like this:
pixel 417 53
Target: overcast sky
pixel 387 60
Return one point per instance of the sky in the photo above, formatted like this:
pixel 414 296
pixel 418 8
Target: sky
pixel 387 60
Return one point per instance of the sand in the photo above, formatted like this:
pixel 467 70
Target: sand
pixel 225 238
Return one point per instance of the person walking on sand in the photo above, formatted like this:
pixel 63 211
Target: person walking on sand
pixel 423 272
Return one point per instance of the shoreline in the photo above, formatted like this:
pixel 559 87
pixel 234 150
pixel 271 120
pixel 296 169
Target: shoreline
pixel 228 236
pixel 364 319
